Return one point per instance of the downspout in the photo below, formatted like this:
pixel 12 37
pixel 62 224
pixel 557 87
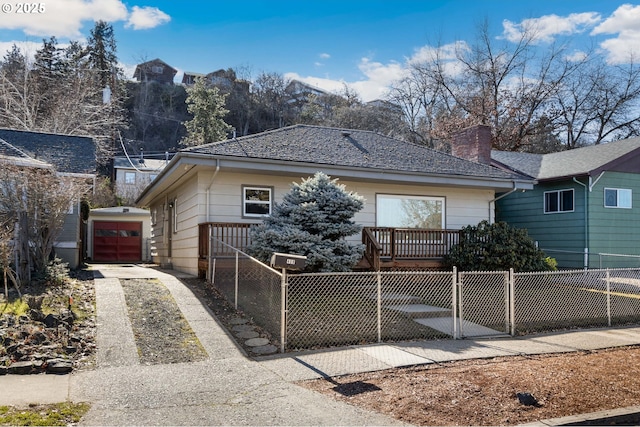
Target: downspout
pixel 513 190
pixel 208 194
pixel 586 187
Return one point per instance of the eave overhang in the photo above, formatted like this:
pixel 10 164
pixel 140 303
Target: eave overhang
pixel 185 164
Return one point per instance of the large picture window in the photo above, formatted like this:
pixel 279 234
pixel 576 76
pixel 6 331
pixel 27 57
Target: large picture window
pixel 256 201
pixel 558 201
pixel 410 211
pixel 617 198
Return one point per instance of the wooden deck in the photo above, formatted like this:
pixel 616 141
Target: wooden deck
pixel 385 247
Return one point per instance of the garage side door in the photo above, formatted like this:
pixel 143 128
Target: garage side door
pixel 117 241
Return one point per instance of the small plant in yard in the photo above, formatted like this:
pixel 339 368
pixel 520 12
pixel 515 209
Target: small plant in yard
pixel 493 247
pixel 60 414
pixel 313 219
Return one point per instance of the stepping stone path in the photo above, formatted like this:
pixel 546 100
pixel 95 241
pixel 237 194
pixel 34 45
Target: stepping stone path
pixel 244 331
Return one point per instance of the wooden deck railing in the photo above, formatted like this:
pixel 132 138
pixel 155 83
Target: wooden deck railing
pixel 397 244
pixel 382 244
pixel 237 235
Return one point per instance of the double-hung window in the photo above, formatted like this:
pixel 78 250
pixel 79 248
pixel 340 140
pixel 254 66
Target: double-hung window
pixel 559 201
pixel 256 201
pixel 617 198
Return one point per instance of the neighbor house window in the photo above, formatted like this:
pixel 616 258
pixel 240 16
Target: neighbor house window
pixel 410 211
pixel 256 201
pixel 617 198
pixel 558 201
pixel 129 177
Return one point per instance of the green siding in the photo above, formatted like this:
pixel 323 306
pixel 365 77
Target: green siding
pixel 610 230
pixel 615 230
pixel 561 235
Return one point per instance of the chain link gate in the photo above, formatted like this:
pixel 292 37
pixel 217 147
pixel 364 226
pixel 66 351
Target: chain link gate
pixel 483 303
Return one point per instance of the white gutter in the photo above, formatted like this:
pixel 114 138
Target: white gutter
pixel 495 199
pixel 208 194
pixel 587 189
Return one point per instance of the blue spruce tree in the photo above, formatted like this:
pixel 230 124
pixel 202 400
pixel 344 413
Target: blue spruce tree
pixel 313 220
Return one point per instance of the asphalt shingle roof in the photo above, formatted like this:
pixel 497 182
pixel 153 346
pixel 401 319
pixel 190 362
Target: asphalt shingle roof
pixel 70 154
pixel 580 161
pixel 16 156
pixel 348 148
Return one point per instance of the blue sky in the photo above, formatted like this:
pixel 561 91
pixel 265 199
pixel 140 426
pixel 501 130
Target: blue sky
pixel 364 44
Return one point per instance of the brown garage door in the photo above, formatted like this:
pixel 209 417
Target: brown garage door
pixel 117 241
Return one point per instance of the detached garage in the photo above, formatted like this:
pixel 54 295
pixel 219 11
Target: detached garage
pixel 119 234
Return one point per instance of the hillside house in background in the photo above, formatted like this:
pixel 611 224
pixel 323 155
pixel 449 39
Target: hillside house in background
pixel 416 198
pixel 73 156
pixel 189 78
pixel 585 208
pixel 155 70
pixel 132 175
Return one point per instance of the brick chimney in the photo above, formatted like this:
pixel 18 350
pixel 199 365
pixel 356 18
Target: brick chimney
pixel 473 143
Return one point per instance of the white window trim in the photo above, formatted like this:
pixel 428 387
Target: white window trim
pixel 544 201
pixel 128 174
pixel 617 206
pixel 244 201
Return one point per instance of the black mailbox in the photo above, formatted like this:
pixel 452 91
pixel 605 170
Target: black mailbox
pixel 288 261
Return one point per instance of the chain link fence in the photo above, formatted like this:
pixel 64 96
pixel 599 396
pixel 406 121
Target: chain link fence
pixel 318 310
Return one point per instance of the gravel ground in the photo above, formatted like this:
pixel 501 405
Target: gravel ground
pixel 161 333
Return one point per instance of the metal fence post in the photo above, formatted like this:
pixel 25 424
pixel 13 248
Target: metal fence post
pixel 236 281
pixel 454 302
pixel 512 302
pixel 379 276
pixel 283 310
pixel 608 282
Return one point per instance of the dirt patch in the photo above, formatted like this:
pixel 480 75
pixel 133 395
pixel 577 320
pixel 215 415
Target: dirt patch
pixel 161 332
pixel 484 392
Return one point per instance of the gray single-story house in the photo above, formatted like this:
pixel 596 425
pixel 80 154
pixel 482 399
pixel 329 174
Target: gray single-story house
pixel 231 184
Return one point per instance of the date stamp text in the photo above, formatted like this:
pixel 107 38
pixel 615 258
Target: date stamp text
pixel 23 8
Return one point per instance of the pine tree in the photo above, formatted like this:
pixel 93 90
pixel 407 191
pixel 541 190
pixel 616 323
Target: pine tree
pixel 313 220
pixel 206 104
pixel 102 52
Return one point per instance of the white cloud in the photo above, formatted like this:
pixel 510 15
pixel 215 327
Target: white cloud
pixel 324 56
pixel 143 18
pixel 27 48
pixel 375 84
pixel 625 22
pixel 65 18
pixel 548 27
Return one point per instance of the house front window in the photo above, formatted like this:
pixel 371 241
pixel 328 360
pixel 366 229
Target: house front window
pixel 558 201
pixel 256 201
pixel 410 211
pixel 617 198
pixel 129 177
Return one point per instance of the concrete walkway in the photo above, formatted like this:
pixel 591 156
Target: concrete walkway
pixel 229 388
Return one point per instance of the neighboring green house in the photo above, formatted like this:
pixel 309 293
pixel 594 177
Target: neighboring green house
pixel 603 178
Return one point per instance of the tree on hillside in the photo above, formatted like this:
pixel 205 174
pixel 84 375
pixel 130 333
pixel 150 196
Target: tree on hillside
pixel 206 104
pixel 101 47
pixel 313 219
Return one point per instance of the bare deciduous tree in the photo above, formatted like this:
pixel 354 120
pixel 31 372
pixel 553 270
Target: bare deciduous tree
pixel 529 96
pixel 44 198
